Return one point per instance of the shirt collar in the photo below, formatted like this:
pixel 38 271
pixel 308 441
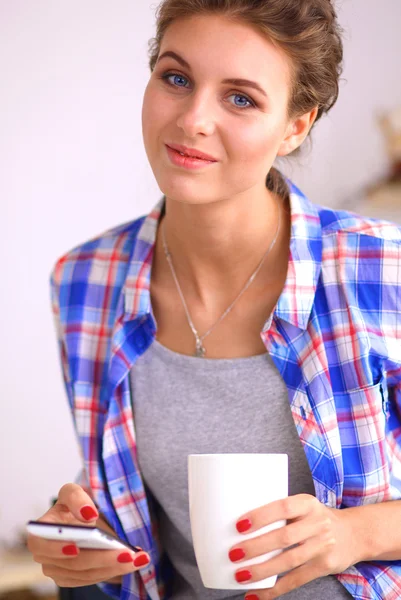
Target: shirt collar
pixel 305 261
pixel 296 300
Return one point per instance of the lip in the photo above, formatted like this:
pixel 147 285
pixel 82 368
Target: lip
pixel 187 162
pixel 192 152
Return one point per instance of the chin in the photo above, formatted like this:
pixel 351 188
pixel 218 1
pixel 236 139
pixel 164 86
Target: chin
pixel 182 199
pixel 185 192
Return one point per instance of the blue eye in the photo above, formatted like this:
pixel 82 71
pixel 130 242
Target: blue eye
pixel 166 77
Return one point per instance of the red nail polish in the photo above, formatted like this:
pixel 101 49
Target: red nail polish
pixel 243 525
pixel 236 554
pixel 70 550
pixel 125 557
pixel 252 597
pixel 141 561
pixel 242 576
pixel 89 513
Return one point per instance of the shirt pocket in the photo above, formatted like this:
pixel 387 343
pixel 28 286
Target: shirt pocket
pixel 362 416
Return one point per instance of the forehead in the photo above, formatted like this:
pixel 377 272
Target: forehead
pixel 216 46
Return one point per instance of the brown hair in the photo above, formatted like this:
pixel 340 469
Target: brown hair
pixel 306 30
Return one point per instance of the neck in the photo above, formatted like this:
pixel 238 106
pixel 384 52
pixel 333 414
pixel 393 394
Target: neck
pixel 215 248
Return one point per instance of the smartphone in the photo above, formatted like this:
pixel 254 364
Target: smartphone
pixel 91 538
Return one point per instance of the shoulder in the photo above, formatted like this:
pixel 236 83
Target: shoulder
pixel 361 263
pixel 361 250
pixel 106 252
pixel 316 221
pixel 361 254
pixel 335 223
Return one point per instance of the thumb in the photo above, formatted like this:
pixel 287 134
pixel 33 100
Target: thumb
pixel 78 502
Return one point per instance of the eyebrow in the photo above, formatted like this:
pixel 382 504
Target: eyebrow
pixel 234 81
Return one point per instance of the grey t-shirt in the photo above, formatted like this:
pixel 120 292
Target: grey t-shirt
pixel 186 405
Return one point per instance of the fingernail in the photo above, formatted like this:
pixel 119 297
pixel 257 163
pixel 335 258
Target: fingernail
pixel 236 554
pixel 141 561
pixel 252 597
pixel 243 525
pixel 124 557
pixel 242 576
pixel 89 513
pixel 70 550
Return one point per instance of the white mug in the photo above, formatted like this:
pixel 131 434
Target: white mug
pixel 222 488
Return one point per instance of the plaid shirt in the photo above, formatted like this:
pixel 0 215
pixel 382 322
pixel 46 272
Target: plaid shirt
pixel 335 338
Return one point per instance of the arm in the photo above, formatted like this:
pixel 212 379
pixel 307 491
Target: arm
pixel 379 524
pixel 102 522
pixel 377 527
pixel 82 478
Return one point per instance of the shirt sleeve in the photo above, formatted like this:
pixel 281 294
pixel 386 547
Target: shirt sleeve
pixel 113 590
pixel 82 480
pixel 110 589
pixel 60 338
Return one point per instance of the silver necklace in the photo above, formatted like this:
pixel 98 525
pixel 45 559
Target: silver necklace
pixel 200 350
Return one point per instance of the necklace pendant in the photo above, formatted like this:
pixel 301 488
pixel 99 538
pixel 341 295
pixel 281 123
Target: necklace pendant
pixel 200 350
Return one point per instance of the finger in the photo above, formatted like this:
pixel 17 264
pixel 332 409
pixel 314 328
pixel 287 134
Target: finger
pixel 288 508
pixel 293 580
pixel 50 549
pixel 91 559
pixel 69 583
pixel 116 580
pixel 284 537
pixel 90 576
pixel 59 574
pixel 78 502
pixel 291 559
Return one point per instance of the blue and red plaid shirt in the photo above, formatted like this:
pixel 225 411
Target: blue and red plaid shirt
pixel 335 338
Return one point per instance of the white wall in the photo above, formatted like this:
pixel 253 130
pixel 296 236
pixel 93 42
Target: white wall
pixel 72 164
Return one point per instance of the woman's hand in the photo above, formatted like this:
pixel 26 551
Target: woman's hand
pixel 327 539
pixel 70 566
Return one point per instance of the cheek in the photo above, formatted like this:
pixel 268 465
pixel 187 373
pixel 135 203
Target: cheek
pixel 157 119
pixel 151 113
pixel 151 134
pixel 258 145
pixel 147 110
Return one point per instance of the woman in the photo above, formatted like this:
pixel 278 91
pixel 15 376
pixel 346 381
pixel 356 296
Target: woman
pixel 235 317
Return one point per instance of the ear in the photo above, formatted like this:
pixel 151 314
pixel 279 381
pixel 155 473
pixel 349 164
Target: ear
pixel 296 132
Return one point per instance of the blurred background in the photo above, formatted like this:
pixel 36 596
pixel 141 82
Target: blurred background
pixel 72 164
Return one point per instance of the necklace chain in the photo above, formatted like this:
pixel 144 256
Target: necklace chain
pixel 200 350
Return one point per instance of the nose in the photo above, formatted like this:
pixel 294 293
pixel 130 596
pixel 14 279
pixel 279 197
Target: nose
pixel 197 115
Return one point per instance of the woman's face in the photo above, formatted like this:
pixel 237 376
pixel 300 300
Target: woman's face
pixel 238 125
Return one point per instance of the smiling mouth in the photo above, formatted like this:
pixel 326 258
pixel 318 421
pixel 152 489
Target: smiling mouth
pixel 187 162
pixel 192 156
